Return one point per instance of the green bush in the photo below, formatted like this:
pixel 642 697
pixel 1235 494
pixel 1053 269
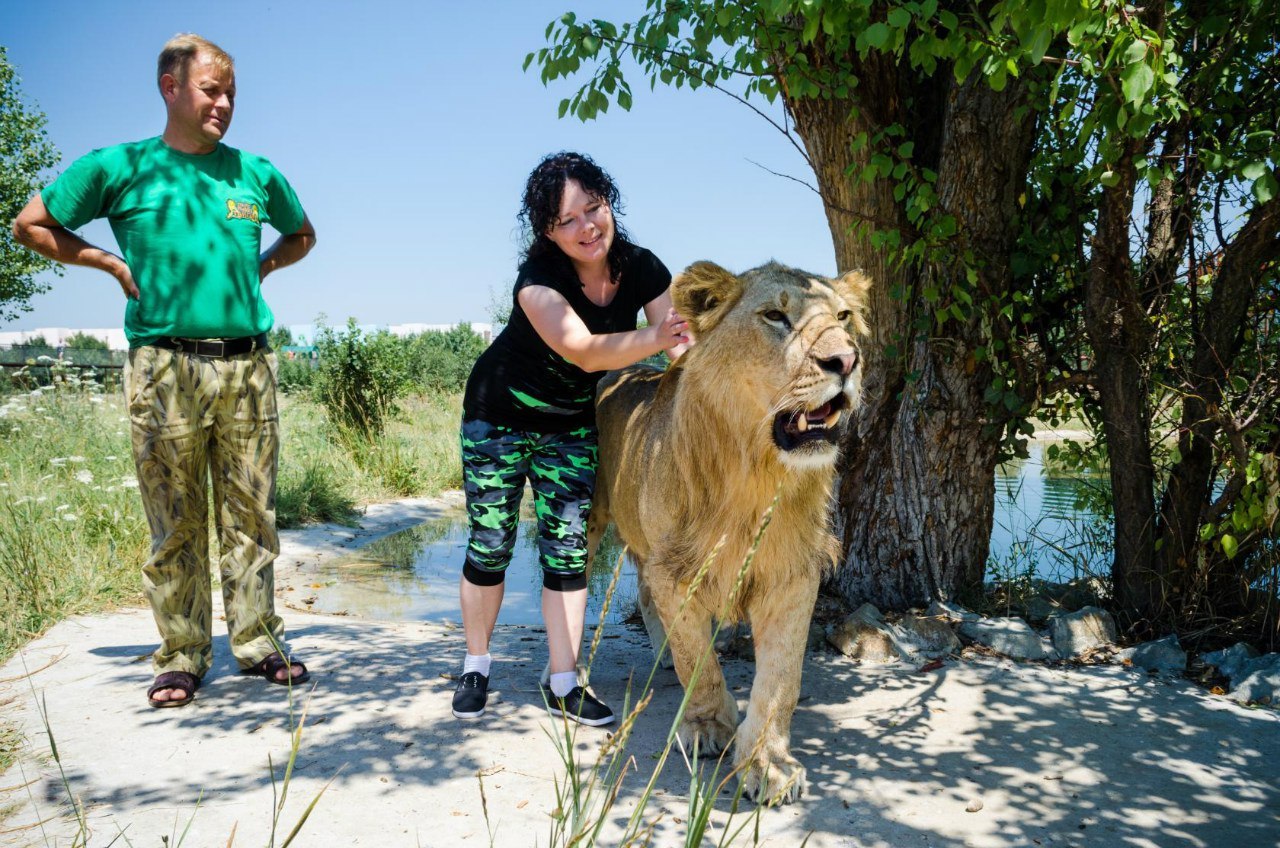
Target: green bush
pixel 296 375
pixel 441 361
pixel 360 379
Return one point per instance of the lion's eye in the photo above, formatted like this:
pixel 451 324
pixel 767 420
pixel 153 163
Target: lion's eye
pixel 843 315
pixel 777 316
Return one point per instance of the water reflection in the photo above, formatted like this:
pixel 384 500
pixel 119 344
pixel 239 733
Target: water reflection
pixel 413 576
pixel 1044 525
pixel 1040 530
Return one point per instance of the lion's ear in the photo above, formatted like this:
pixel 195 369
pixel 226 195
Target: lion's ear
pixel 704 293
pixel 855 288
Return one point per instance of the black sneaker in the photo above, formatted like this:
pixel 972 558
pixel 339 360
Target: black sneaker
pixel 580 706
pixel 470 696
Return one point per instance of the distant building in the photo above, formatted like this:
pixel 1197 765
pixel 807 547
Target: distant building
pixel 57 336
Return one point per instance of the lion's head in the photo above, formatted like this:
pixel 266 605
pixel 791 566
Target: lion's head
pixel 784 345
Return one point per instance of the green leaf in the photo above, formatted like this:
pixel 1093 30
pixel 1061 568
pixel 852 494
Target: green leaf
pixel 1040 45
pixel 1207 531
pixel 1136 81
pixel 1109 178
pixel 1265 188
pixel 899 18
pixel 875 35
pixel 1230 546
pixel 624 99
pixel 1253 170
pixel 1136 52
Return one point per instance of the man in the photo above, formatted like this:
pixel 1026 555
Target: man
pixel 187 212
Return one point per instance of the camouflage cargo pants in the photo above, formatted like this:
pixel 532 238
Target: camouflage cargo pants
pixel 561 469
pixel 193 418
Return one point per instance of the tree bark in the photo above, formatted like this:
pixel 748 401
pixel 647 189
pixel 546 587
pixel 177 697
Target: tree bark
pixel 916 499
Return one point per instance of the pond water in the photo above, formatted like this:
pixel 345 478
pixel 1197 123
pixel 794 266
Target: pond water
pixel 413 575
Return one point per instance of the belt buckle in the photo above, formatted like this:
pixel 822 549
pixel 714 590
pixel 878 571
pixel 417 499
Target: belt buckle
pixel 221 347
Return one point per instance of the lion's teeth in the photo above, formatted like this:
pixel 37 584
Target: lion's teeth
pixel 802 423
pixel 830 420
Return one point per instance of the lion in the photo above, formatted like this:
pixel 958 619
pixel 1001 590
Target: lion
pixel 693 457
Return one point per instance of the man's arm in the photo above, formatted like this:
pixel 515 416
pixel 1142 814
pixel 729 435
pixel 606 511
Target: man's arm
pixel 37 230
pixel 287 249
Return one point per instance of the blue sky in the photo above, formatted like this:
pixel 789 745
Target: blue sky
pixel 407 129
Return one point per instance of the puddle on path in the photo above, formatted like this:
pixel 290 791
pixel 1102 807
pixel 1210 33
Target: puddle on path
pixel 413 576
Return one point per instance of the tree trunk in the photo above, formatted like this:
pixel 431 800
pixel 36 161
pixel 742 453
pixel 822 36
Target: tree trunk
pixel 916 494
pixel 1119 332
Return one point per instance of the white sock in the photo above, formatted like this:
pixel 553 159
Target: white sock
pixel 562 683
pixel 477 662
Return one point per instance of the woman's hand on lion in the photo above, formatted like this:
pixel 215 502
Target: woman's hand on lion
pixel 673 334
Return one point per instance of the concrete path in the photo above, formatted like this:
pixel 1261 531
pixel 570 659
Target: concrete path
pixel 1053 756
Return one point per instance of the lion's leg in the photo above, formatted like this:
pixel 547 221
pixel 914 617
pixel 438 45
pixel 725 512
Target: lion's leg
pixel 711 714
pixel 763 751
pixel 653 625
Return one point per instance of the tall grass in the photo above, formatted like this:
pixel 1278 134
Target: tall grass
pixel 72 531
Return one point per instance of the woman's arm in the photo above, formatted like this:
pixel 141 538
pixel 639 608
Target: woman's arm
pixel 565 333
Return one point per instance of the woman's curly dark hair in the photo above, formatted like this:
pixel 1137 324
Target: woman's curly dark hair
pixel 540 207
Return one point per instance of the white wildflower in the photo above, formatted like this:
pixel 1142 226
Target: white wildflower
pixel 111 458
pixel 42 499
pixel 76 459
pixel 85 476
pixel 128 482
pixel 58 461
pixel 61 507
pixel 69 516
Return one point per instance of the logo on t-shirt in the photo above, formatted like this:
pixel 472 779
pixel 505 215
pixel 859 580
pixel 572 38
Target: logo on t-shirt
pixel 242 211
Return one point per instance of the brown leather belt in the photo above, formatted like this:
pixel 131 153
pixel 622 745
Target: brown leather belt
pixel 215 348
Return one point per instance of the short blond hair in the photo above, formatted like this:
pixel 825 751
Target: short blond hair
pixel 178 52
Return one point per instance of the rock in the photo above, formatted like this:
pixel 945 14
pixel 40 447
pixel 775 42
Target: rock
pixel 951 612
pixel 1077 632
pixel 863 641
pixel 868 614
pixel 926 636
pixel 1163 656
pixel 1012 637
pixel 1258 681
pixel 1088 591
pixel 1230 661
pixel 1039 608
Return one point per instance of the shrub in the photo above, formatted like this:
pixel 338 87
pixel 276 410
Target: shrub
pixel 296 375
pixel 360 379
pixel 441 361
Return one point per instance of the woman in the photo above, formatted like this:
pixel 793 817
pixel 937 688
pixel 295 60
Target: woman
pixel 529 412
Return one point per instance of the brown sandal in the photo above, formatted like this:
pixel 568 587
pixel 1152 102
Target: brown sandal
pixel 271 664
pixel 181 680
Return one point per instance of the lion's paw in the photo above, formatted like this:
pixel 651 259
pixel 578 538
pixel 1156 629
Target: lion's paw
pixel 778 781
pixel 712 735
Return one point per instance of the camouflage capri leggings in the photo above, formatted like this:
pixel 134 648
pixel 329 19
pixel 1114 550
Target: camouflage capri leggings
pixel 561 469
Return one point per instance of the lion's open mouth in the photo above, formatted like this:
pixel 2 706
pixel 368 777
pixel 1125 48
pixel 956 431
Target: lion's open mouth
pixel 793 430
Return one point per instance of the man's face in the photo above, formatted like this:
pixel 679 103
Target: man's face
pixel 201 106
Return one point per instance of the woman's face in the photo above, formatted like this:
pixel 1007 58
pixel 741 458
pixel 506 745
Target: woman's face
pixel 584 228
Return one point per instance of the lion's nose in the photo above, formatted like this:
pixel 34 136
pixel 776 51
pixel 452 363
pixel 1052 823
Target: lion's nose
pixel 841 363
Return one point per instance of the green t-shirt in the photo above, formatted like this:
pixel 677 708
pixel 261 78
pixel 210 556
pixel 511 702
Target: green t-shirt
pixel 190 229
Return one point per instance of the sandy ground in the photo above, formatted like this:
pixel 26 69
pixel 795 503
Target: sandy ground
pixel 1097 756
